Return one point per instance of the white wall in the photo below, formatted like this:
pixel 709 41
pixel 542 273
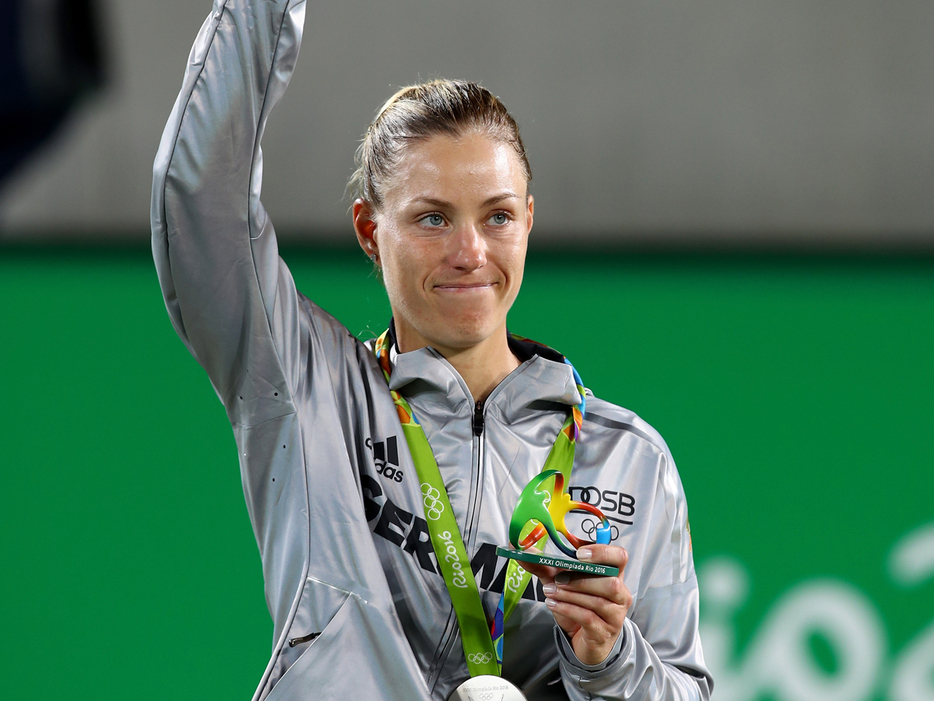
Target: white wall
pixel 727 119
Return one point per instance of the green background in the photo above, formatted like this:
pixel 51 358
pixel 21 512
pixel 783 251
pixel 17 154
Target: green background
pixel 794 392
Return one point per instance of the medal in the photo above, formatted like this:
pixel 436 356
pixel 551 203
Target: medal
pixel 486 687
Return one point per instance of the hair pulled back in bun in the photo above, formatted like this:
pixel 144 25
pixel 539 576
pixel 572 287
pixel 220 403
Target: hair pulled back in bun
pixel 418 112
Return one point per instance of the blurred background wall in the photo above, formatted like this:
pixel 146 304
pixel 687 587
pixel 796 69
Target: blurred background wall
pixel 664 120
pixel 734 238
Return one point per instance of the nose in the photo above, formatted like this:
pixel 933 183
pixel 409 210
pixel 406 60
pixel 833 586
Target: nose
pixel 468 248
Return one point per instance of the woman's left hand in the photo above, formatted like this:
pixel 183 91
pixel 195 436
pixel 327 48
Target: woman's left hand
pixel 589 608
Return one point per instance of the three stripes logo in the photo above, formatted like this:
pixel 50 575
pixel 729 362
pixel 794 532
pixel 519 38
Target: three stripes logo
pixel 386 457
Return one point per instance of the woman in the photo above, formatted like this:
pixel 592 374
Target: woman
pixel 359 578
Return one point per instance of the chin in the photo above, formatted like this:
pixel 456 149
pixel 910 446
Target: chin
pixel 465 334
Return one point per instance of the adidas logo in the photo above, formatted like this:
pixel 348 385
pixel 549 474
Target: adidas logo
pixel 386 457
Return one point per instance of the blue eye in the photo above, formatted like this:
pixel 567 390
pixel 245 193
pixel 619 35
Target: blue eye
pixel 499 219
pixel 433 220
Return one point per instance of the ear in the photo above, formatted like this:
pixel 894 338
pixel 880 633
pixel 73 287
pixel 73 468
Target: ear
pixel 531 209
pixel 364 224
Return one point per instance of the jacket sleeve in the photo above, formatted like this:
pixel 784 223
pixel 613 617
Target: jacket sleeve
pixel 229 296
pixel 659 655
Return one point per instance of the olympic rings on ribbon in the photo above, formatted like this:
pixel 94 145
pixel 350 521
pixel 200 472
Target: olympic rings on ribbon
pixel 433 505
pixel 479 657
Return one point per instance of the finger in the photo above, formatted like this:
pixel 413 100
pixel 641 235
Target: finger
pixel 613 589
pixel 592 636
pixel 613 555
pixel 595 613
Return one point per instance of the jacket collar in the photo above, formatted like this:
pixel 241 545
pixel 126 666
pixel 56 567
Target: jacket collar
pixel 425 377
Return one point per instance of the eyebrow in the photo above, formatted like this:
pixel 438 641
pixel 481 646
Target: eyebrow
pixel 442 204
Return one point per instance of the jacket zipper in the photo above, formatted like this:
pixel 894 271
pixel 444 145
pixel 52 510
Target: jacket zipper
pixel 473 513
pixel 451 629
pixel 478 419
pixel 303 639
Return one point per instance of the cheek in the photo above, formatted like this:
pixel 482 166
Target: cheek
pixel 402 276
pixel 514 261
pixel 393 279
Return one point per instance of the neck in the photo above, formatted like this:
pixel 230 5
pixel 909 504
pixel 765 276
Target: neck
pixel 482 366
pixel 481 369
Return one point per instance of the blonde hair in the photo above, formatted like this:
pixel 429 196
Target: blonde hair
pixel 418 112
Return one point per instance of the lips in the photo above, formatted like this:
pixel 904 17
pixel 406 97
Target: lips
pixel 482 285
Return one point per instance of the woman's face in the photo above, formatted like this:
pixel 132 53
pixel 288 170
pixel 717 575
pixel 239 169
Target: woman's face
pixel 451 238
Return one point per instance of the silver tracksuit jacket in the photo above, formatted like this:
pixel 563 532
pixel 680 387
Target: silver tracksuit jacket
pixel 359 608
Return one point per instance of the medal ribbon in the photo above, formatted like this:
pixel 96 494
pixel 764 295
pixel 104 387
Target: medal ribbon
pixel 482 641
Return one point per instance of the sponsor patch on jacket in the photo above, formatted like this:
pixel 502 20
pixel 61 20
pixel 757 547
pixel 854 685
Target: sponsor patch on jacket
pixel 386 457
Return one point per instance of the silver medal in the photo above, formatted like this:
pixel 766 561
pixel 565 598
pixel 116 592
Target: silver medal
pixel 486 687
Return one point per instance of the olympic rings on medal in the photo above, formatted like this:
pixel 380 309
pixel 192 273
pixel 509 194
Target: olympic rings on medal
pixel 479 657
pixel 432 498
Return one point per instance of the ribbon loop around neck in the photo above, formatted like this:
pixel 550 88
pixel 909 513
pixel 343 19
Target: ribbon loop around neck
pixel 482 639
